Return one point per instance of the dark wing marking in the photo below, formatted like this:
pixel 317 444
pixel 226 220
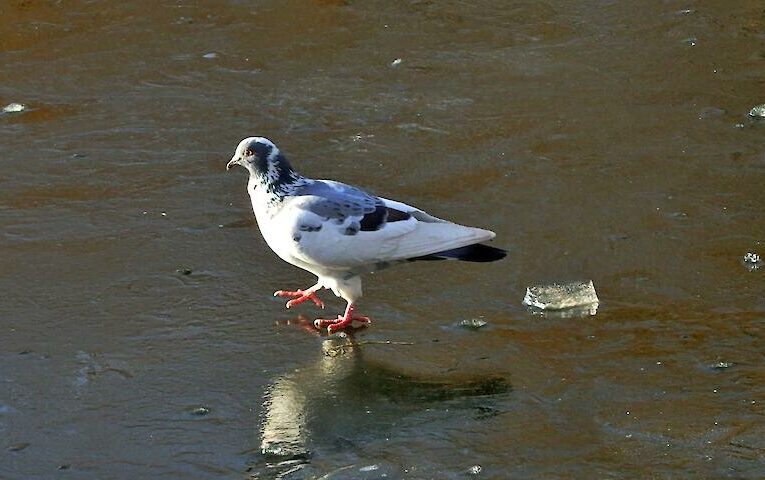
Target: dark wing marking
pixel 352 229
pixel 374 220
pixel 397 215
pixel 382 215
pixel 309 227
pixel 477 252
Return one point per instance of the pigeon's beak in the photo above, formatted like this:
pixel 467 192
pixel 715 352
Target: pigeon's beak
pixel 234 161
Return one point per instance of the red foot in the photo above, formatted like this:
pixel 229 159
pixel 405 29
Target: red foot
pixel 301 296
pixel 341 322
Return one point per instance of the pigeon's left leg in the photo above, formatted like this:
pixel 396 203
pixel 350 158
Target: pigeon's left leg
pixel 341 321
pixel 301 296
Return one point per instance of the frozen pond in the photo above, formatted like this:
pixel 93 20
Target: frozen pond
pixel 609 141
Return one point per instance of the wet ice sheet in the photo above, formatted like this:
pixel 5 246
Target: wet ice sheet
pixel 577 295
pixel 122 122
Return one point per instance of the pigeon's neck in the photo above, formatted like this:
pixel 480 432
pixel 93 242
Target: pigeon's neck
pixel 277 180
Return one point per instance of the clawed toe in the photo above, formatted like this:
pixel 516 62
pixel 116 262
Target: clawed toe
pixel 300 297
pixel 339 323
pixel 325 322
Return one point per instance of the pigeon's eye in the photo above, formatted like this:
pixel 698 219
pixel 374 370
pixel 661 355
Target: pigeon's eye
pixel 248 153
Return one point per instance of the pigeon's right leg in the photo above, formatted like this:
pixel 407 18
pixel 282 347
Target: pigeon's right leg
pixel 342 321
pixel 301 296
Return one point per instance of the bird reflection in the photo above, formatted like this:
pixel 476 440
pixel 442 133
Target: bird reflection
pixel 341 396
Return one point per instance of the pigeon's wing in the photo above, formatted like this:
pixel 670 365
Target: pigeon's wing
pixel 340 202
pixel 340 226
pixel 432 234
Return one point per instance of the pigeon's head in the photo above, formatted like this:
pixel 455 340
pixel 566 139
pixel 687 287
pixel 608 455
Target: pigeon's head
pixel 254 154
pixel 262 158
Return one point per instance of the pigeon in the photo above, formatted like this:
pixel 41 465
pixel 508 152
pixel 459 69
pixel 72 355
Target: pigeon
pixel 338 232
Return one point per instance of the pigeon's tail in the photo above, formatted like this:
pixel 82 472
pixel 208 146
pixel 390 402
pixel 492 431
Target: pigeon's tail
pixel 476 252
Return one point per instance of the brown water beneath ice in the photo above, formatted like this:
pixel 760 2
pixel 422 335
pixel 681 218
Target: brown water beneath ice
pixel 601 140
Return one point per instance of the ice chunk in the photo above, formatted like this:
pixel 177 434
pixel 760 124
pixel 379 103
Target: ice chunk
pixel 690 41
pixel 474 470
pixel 562 296
pixel 200 411
pixel 722 365
pixel 757 111
pixel 473 323
pixel 752 261
pixel 14 108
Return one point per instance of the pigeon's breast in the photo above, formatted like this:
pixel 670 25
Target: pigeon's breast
pixel 280 230
pixel 276 234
